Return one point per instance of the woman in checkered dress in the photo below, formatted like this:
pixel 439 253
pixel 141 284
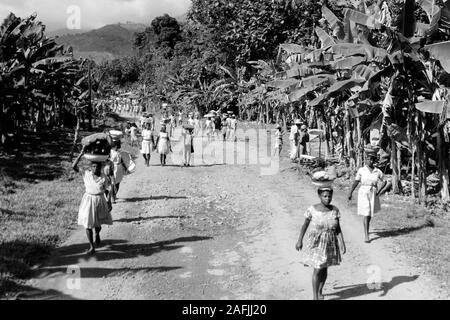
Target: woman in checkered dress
pixel 325 240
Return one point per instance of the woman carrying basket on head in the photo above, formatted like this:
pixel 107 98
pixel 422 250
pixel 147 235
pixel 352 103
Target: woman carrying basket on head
pixel 325 241
pixel 95 207
pixel 368 194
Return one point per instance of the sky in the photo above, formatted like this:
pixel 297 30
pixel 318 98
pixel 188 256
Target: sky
pixel 93 13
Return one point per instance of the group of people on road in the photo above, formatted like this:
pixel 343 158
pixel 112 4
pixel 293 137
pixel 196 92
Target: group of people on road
pixel 221 126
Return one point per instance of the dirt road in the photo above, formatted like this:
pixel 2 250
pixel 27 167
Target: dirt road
pixel 221 231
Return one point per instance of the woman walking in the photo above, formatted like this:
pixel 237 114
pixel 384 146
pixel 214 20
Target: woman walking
pixel 95 207
pixel 325 241
pixel 147 143
pixel 368 194
pixel 163 143
pixel 278 140
pixel 119 165
pixel 188 142
pixel 209 128
pixel 133 134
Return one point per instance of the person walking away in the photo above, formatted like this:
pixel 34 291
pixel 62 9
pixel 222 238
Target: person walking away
pixel 209 128
pixel 325 241
pixel 147 143
pixel 94 210
pixel 368 194
pixel 197 128
pixel 278 140
pixel 119 165
pixel 218 126
pixel 188 142
pixel 180 118
pixel 173 124
pixel 294 138
pixel 163 143
pixel 224 127
pixel 133 134
pixel 303 139
pixel 233 127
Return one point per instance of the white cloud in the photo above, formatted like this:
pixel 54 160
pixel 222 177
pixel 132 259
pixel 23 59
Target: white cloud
pixel 94 13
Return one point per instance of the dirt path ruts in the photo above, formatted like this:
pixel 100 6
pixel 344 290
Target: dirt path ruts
pixel 221 232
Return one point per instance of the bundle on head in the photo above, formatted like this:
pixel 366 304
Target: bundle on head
pixel 97 144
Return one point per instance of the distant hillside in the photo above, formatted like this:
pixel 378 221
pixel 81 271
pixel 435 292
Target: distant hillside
pixel 108 42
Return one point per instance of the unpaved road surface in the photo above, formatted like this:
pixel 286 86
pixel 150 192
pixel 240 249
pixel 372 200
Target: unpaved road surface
pixel 221 231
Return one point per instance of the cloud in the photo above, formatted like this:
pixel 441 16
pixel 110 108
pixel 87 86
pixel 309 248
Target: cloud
pixel 94 13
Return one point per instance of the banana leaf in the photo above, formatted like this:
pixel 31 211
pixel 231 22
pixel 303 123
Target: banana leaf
pixel 363 72
pixel 434 107
pixel 324 37
pixel 359 17
pixel 430 7
pixel 350 49
pixel 283 84
pixel 315 81
pixel 348 63
pixel 291 48
pixel 336 25
pixel 48 61
pixel 441 52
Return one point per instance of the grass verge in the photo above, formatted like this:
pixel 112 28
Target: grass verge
pixel 39 199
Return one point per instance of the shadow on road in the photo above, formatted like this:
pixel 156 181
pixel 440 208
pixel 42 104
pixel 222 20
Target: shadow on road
pixel 133 200
pixel 116 250
pixel 105 272
pixel 137 219
pixel 358 290
pixel 397 232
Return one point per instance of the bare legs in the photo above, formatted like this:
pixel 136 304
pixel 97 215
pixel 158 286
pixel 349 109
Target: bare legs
pixel 147 159
pixel 318 281
pixel 163 158
pixel 367 227
pixel 90 237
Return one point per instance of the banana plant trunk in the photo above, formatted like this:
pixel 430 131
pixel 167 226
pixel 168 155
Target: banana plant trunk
pixel 394 167
pixel 443 167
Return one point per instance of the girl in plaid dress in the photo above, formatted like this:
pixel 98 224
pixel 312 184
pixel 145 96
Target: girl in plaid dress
pixel 325 240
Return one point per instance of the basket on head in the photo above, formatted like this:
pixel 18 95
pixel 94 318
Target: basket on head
pixel 96 157
pixel 116 135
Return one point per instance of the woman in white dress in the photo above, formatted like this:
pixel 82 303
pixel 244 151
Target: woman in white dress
pixel 368 194
pixel 147 143
pixel 163 143
pixel 95 207
pixel 209 128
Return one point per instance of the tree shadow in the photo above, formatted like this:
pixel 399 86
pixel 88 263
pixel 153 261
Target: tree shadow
pixel 116 249
pixel 40 157
pixel 133 200
pixel 397 232
pixel 86 273
pixel 358 290
pixel 128 220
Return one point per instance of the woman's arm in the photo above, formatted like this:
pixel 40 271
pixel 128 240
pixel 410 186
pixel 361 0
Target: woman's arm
pixel 352 189
pixel 299 245
pixel 77 160
pixel 341 238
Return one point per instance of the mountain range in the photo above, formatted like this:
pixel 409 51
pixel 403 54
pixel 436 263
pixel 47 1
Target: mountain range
pixel 106 43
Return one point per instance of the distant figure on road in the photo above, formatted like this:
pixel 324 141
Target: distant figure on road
pixel 325 240
pixel 278 140
pixel 147 143
pixel 188 142
pixel 163 143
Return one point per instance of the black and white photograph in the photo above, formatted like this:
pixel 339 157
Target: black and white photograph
pixel 224 154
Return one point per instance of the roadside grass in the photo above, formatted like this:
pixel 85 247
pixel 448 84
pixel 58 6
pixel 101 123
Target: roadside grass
pixel 39 199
